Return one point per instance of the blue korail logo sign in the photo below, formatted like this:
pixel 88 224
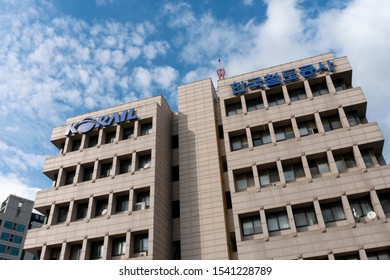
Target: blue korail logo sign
pixel 273 79
pixel 89 123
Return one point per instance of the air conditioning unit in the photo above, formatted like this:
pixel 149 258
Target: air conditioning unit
pixel 140 206
pixel 143 254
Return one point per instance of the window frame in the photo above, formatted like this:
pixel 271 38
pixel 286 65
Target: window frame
pixel 255 225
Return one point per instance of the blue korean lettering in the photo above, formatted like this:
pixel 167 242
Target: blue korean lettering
pixel 307 71
pixel 255 83
pixel 272 79
pixel 238 87
pixel 330 65
pixel 290 75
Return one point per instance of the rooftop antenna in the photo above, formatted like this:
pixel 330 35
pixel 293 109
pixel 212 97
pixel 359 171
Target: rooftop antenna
pixel 220 71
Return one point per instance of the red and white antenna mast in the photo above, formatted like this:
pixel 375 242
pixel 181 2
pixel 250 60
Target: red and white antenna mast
pixel 220 71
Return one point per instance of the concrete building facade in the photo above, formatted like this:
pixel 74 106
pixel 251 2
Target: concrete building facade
pixel 280 163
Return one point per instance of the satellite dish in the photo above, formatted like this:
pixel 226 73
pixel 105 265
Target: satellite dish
pixel 104 212
pixel 371 215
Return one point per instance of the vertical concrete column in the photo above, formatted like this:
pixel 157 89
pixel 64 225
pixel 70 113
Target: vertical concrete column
pixel 249 137
pixel 265 101
pixel 105 247
pixel 95 170
pixel 332 163
pixel 343 117
pixel 83 141
pixel 347 209
pixel 285 95
pixel 51 214
pixel 131 200
pixel 100 138
pixel 77 174
pixel 136 128
pixel 308 89
pixel 66 145
pixel 133 161
pixel 264 226
pixel 59 177
pixel 319 124
pixel 83 253
pixel 256 176
pixel 272 132
pixel 128 244
pixel 295 128
pixel 110 203
pixel 43 252
pixel 243 104
pixel 362 254
pixel 70 212
pixel 377 206
pixel 291 220
pixel 320 218
pixel 118 133
pixel 90 206
pixel 63 250
pixel 115 166
pixel 331 256
pixel 306 168
pixel 329 83
pixel 280 171
pixel 358 158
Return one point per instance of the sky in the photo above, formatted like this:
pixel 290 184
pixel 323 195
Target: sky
pixel 61 58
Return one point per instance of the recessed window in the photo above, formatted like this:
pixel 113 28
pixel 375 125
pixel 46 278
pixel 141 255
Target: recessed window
pixel 319 89
pixel 244 181
pixel 332 212
pixel 238 142
pixel 118 246
pixel 125 166
pixel 96 250
pixel 141 243
pixel 175 141
pixel 175 209
pixel 75 252
pixel 307 128
pixel 385 201
pixel 251 225
pixel 122 203
pixel 82 210
pixel 69 177
pixel 269 176
pixel 379 255
pixel 283 133
pixel 87 173
pixel 144 162
pixel 228 198
pixel 277 221
pixel 62 214
pixel 339 84
pixel 101 207
pixel 128 132
pixel 361 206
pixel 297 94
pixel 146 128
pixel 55 253
pixel 175 173
pixel 353 118
pixel 345 161
pixel 93 141
pixel 347 256
pixel 110 137
pixel 275 99
pixel 261 137
pixel 331 123
pixel 304 217
pixel 292 171
pixel 142 200
pixel 105 170
pixel 233 109
pixel 318 166
pixel 76 143
pixel 254 104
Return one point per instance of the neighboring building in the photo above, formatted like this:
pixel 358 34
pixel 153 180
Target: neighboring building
pixel 279 163
pixel 15 218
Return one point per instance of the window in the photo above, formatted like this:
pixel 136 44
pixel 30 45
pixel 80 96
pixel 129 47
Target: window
pixel 228 198
pixel 318 166
pixel 284 133
pixel 146 128
pixel 62 214
pixel 144 162
pixel 76 145
pixel 101 207
pixel 345 161
pixel 233 109
pixel 55 253
pixel 175 173
pixel 366 154
pixel 331 123
pixel 379 255
pixel 122 203
pixel 119 246
pixel 269 176
pixel 244 181
pixel 339 84
pixel 304 217
pixel 277 221
pixel 14 251
pixel 353 118
pixel 75 252
pixel 128 133
pixel 105 170
pixel 293 171
pixel 261 137
pixel 93 141
pixel 251 225
pixel 125 166
pixel 8 225
pixel 361 206
pixel 96 250
pixel 175 141
pixel 18 239
pixel 88 172
pixel 110 137
pixel 332 212
pixel 319 89
pixel 19 227
pixel 143 198
pixel 5 236
pixel 307 128
pixel 141 243
pixel 297 94
pixel 385 201
pixel 349 256
pixel 238 142
pixel 175 209
pixel 254 104
pixel 275 99
pixel 69 177
pixel 82 210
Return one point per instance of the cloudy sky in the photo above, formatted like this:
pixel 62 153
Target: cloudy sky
pixel 62 58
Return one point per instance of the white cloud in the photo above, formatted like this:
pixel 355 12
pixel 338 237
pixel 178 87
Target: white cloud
pixel 152 49
pixel 165 76
pixel 103 2
pixel 11 184
pixel 248 2
pixel 180 14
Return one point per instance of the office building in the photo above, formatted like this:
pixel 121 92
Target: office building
pixel 279 163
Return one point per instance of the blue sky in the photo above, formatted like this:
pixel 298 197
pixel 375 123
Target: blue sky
pixel 62 58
